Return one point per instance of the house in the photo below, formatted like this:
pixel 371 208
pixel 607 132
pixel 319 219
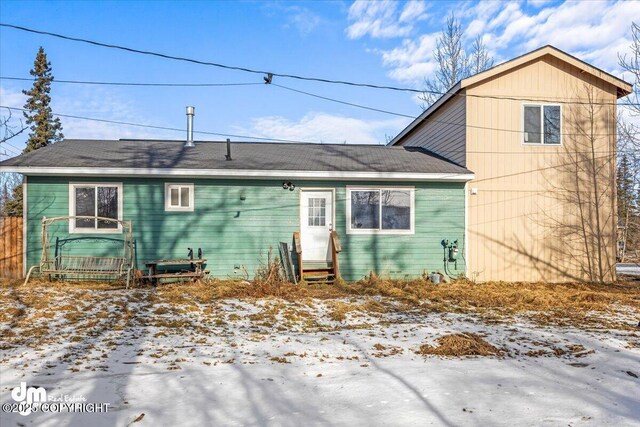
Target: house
pixel 539 132
pixel 392 207
pixel 513 167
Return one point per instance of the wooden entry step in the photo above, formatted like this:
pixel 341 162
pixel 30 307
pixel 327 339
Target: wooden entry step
pixel 319 271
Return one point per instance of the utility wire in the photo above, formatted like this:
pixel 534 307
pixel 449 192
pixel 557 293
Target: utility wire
pixel 466 95
pixel 212 64
pixel 303 93
pixel 286 140
pixel 6 146
pixel 277 139
pixel 136 84
pixel 273 74
pixel 343 102
pixel 228 135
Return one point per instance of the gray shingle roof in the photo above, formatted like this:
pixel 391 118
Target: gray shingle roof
pixel 143 154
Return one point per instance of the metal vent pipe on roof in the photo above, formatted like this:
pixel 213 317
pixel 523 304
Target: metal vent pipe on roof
pixel 190 114
pixel 228 155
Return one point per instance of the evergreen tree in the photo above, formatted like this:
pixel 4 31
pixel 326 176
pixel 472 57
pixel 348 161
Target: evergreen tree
pixel 625 187
pixel 628 197
pixel 13 205
pixel 45 129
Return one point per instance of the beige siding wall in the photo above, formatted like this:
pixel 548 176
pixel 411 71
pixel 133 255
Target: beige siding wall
pixel 443 132
pixel 540 212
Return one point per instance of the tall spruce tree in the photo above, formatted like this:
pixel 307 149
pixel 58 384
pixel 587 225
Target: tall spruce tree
pixel 45 129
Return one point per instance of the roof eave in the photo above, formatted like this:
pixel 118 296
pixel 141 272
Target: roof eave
pixel 624 88
pixel 238 174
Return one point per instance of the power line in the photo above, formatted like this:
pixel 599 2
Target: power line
pixel 136 83
pixel 291 76
pixel 208 63
pixel 466 95
pixel 6 146
pixel 307 94
pixel 343 102
pixel 435 121
pixel 227 135
pixel 286 140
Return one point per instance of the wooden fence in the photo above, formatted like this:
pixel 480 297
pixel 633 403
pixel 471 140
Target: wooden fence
pixel 11 247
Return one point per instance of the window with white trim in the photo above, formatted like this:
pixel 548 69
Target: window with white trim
pixel 542 124
pixel 380 210
pixel 95 200
pixel 178 197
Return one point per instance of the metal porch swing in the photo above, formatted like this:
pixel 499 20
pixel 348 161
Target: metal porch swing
pixel 85 267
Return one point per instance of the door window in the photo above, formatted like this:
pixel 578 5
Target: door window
pixel 317 211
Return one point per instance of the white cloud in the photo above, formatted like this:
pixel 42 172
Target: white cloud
pixel 302 19
pixel 593 31
pixel 10 97
pixel 324 128
pixel 91 102
pixel 414 73
pixel 413 10
pixel 413 60
pixel 383 19
pixel 101 103
pixel 538 3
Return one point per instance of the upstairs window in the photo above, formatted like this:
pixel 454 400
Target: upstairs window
pixel 380 210
pixel 178 197
pixel 542 124
pixel 95 200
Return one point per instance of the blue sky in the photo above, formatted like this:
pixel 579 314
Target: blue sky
pixel 384 42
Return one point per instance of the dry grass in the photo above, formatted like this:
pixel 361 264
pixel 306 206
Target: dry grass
pixel 563 304
pixel 460 345
pixel 338 310
pixel 511 297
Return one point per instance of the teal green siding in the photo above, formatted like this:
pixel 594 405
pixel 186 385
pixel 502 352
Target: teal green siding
pixel 238 233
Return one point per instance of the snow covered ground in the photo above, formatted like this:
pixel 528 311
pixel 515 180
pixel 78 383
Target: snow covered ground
pixel 310 362
pixel 629 269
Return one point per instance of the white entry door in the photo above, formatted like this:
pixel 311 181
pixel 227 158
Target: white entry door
pixel 316 221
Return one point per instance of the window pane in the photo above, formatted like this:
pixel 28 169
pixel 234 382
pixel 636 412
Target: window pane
pixel 552 124
pixel 108 206
pixel 532 129
pixel 365 209
pixel 184 197
pixel 317 211
pixel 85 206
pixel 396 210
pixel 175 196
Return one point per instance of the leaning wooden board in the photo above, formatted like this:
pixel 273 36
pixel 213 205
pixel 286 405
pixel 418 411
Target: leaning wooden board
pixel 287 262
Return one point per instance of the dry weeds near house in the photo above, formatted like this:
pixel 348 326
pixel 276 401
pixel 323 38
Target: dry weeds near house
pixel 544 301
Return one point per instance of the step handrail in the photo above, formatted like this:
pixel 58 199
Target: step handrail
pixel 336 248
pixel 298 245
